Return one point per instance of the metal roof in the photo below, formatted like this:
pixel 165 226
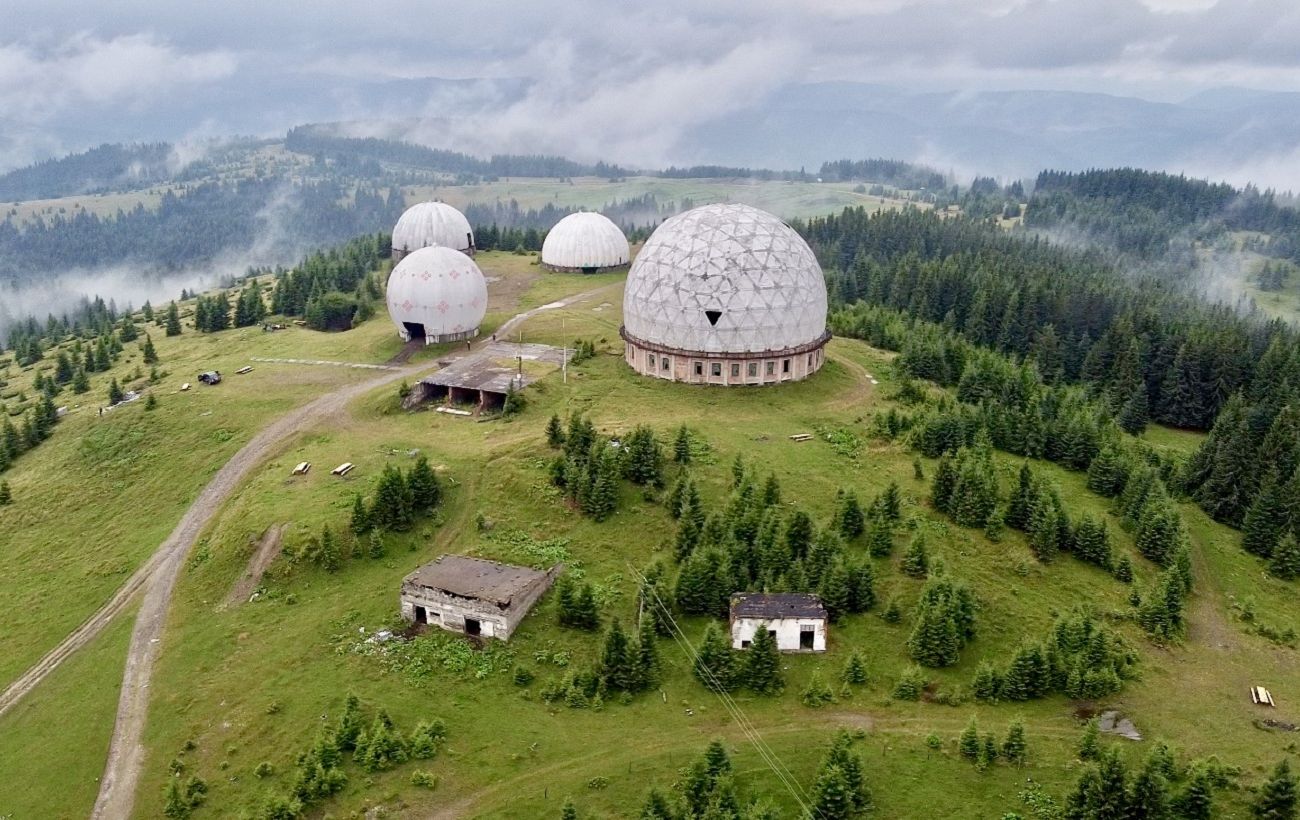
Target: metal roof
pixel 476 578
pixel 585 240
pixel 432 223
pixel 439 288
pixel 722 279
pixel 776 605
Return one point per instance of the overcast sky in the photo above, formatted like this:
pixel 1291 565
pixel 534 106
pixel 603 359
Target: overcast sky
pixel 619 79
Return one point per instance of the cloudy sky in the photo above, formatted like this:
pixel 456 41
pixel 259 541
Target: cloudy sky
pixel 617 80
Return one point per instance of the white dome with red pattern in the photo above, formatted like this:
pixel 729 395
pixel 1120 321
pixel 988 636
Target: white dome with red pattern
pixel 437 293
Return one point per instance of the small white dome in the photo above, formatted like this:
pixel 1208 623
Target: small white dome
pixel 725 279
pixel 437 293
pixel 432 223
pixel 585 241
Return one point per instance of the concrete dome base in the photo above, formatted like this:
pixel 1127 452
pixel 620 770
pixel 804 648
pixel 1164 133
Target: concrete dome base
pixel 725 369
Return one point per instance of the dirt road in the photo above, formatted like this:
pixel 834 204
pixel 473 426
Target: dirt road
pixel 126 751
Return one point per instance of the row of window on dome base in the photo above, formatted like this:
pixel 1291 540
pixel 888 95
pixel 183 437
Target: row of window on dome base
pixel 728 371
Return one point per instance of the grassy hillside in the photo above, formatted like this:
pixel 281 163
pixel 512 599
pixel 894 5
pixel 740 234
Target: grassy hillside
pixel 239 684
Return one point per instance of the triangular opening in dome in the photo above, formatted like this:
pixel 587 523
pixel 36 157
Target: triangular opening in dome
pixel 713 316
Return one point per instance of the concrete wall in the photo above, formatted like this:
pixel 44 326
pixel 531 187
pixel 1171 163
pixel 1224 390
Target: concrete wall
pixel 450 611
pixel 722 370
pixel 787 632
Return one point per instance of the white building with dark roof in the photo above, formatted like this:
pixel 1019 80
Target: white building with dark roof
pixel 797 620
pixel 431 223
pixel 585 243
pixel 473 595
pixel 725 294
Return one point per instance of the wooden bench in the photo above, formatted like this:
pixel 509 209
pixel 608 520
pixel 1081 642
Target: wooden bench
pixel 343 469
pixel 1260 695
pixel 248 368
pixel 802 437
pixel 302 468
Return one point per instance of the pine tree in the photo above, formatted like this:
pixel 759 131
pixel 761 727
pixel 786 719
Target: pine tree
pixel 656 807
pixel 987 685
pixel 715 662
pixel 331 558
pixel 647 654
pixel 988 753
pixel 798 534
pixel 835 591
pixel 855 669
pixel 945 482
pixel 916 561
pixel 80 381
pixel 682 446
pixel 1148 797
pixel 1276 799
pixel 1135 413
pixel 1124 569
pixel 1089 743
pixel 115 394
pixel 618 664
pixel 1092 542
pixel 1102 791
pixel 1285 563
pixel 393 506
pixel 830 796
pixel 763 665
pixel 360 521
pixel 175 805
pixel 554 433
pixel 173 320
pixel 1014 748
pixel 150 354
pixel 423 485
pixel 849 518
pixel 569 811
pixel 6 494
pixel 969 742
pixel 151 403
pixel 1266 519
pixel 1196 802
pixel 771 491
pixel 880 538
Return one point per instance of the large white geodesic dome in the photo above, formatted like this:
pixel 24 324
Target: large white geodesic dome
pixel 438 294
pixel 432 223
pixel 585 241
pixel 725 279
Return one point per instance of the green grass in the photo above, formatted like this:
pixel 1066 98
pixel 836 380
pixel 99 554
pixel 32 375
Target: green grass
pixel 53 744
pixel 256 681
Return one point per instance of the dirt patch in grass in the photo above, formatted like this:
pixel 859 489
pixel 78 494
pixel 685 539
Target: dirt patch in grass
pixel 267 550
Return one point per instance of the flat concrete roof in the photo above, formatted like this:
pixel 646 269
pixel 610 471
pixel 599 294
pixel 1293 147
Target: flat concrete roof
pixel 477 578
pixel 482 370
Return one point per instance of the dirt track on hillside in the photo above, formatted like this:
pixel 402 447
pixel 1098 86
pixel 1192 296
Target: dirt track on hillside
pixel 126 752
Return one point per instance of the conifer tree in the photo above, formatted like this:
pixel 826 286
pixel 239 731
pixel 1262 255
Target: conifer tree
pixel 392 509
pixel 916 561
pixel 6 494
pixel 618 663
pixel 880 538
pixel 331 558
pixel 568 811
pixel 1089 742
pixel 855 669
pixel 1196 802
pixel 647 654
pixel 849 518
pixel 945 482
pixel 771 491
pixel 115 394
pixel 1014 748
pixel 1266 519
pixel 360 521
pixel 715 662
pixel 1124 569
pixel 554 433
pixel 1092 542
pixel 80 381
pixel 1135 413
pixel 830 795
pixel 987 685
pixel 682 446
pixel 1276 799
pixel 763 665
pixel 738 471
pixel 173 320
pixel 423 486
pixel 969 742
pixel 798 534
pixel 1148 797
pixel 1285 563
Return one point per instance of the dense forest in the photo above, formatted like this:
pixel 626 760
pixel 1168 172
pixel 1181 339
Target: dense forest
pixel 886 171
pixel 108 167
pixel 277 218
pixel 1139 350
pixel 1151 214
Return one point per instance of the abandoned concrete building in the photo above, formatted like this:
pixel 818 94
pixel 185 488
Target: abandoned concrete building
pixel 473 595
pixel 481 381
pixel 796 620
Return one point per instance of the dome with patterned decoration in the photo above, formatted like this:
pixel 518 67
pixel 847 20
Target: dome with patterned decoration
pixel 438 295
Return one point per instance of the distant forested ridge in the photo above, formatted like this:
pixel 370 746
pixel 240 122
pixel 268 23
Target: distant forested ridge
pixel 312 140
pixel 1148 213
pixel 885 171
pixel 277 218
pixel 108 167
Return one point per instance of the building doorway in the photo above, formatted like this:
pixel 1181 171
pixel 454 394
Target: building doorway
pixel 421 615
pixel 806 639
pixel 473 627
pixel 415 329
